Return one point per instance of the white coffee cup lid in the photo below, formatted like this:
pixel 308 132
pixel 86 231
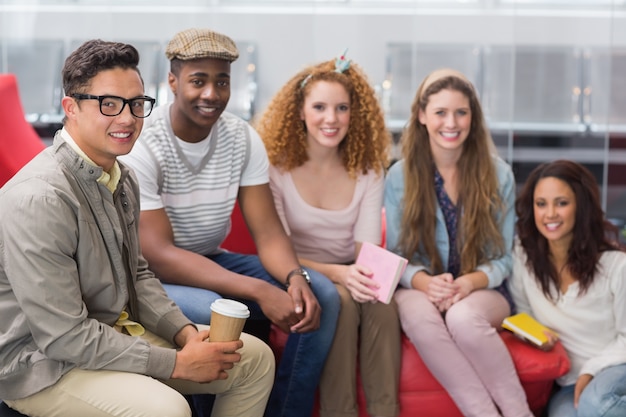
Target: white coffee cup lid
pixel 230 308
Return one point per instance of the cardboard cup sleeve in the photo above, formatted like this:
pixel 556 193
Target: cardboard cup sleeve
pixel 227 320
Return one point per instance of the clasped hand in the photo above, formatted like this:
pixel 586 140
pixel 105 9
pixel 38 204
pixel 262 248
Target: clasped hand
pixel 295 310
pixel 443 290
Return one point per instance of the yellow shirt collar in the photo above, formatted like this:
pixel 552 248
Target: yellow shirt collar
pixel 108 179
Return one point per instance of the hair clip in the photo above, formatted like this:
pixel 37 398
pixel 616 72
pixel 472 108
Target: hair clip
pixel 341 63
pixel 303 83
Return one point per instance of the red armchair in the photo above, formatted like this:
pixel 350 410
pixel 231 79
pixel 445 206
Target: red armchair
pixel 420 393
pixel 19 142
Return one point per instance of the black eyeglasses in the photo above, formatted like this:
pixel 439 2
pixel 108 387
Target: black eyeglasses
pixel 113 105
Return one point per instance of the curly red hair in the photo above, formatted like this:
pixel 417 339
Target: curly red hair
pixel 366 145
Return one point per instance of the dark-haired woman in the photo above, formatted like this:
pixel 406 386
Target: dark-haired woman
pixel 570 274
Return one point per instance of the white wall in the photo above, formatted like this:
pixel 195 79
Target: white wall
pixel 289 38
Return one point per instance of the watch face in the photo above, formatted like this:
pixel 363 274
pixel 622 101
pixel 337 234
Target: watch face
pixel 300 271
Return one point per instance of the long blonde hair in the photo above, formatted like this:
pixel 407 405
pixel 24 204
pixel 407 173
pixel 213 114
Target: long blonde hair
pixel 366 145
pixel 479 201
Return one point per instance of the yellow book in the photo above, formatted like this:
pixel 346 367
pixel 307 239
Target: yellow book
pixel 526 326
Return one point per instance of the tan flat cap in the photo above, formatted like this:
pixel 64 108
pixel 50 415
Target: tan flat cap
pixel 201 43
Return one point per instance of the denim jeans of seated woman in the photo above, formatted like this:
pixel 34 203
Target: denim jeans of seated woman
pixel 299 370
pixel 604 396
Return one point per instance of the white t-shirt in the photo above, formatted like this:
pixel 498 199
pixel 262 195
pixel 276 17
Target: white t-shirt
pixel 197 183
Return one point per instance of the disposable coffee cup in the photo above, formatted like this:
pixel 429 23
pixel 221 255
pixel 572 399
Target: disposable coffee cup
pixel 227 320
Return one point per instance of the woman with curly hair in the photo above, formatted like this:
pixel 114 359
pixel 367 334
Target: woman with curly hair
pixel 569 272
pixel 327 142
pixel 450 211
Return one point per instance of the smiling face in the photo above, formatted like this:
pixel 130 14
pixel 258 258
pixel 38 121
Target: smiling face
pixel 104 138
pixel 554 208
pixel 448 120
pixel 202 90
pixel 326 113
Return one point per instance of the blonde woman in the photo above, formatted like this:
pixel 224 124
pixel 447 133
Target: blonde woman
pixel 450 211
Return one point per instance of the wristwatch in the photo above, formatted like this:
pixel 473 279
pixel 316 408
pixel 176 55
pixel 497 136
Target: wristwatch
pixel 298 271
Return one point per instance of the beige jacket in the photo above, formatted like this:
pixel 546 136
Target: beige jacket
pixel 69 251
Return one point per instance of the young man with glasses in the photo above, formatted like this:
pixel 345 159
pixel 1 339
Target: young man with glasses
pixel 194 162
pixel 87 329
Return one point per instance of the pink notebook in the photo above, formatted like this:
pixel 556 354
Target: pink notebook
pixel 386 266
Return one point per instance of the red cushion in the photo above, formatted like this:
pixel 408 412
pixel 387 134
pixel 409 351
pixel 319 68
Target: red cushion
pixel 19 142
pixel 533 364
pixel 536 369
pixel 239 239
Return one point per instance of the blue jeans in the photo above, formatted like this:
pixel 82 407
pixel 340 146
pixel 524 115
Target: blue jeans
pixel 605 396
pixel 299 370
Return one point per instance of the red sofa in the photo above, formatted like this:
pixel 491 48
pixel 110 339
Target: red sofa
pixel 420 393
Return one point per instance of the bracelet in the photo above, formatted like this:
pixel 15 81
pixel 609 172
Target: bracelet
pixel 298 271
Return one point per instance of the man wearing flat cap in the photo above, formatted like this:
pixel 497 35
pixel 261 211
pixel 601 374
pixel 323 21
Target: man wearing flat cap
pixel 194 162
pixel 86 328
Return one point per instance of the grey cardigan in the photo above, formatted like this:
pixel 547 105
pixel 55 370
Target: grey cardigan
pixel 70 262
